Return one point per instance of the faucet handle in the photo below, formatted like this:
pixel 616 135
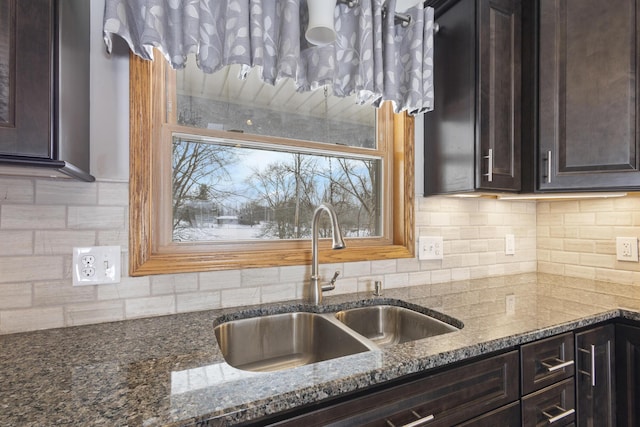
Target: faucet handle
pixel 332 283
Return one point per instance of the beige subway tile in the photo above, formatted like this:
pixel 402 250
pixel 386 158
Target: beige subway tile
pixel 351 269
pixel 439 219
pixel 295 273
pixel 543 207
pixel 113 238
pixel 97 217
pixel 397 280
pixel 587 218
pixel 543 255
pixel 16 243
pixel 597 205
pixel 618 276
pixel 31 268
pixel 580 271
pixel 460 273
pixel 151 306
pixel 345 286
pixel 597 260
pixel 197 301
pixel 18 190
pixel 550 268
pixel 32 217
pixel 404 265
pixel 174 283
pixel 488 232
pixel 281 292
pixel 614 218
pixel 550 219
pixel 15 295
pixel 62 242
pixel 626 204
pixel 61 293
pixel 469 233
pixel 564 206
pixel 94 312
pixel 31 319
pixel 387 266
pixel 595 232
pixel 129 287
pixel 113 193
pixel 561 257
pixel 607 247
pixel 239 297
pixel 251 277
pixel 419 278
pixel 54 192
pixel 441 276
pixel 579 245
pixel 216 280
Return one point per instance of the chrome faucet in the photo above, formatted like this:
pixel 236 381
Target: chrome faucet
pixel 315 287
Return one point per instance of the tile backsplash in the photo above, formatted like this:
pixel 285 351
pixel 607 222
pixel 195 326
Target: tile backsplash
pixel 42 220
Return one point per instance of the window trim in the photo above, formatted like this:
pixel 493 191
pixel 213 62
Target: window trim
pixel 147 96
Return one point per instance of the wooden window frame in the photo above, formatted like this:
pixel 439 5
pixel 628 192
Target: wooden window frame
pixel 148 170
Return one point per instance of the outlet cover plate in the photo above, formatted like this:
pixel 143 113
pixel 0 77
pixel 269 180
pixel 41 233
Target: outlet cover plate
pixel 627 249
pixel 96 265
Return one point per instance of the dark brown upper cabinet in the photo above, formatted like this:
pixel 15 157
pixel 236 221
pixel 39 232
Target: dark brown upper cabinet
pixel 44 88
pixel 587 97
pixel 472 138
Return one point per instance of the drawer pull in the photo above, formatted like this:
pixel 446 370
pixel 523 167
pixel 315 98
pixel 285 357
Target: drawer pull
pixel 565 413
pixel 489 158
pixel 415 423
pixel 421 421
pixel 561 364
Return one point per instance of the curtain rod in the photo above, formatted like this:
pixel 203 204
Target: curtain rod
pixel 403 19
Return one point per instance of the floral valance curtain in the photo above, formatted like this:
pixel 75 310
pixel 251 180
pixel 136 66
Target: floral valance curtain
pixel 372 57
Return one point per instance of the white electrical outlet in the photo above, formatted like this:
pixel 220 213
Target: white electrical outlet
pixel 510 302
pixel 430 247
pixel 627 249
pixel 510 244
pixel 96 265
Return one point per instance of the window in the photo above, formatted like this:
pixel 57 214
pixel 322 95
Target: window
pixel 259 174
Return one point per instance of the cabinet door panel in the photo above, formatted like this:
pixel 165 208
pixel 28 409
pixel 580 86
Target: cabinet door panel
pixel 595 388
pixel 588 94
pixel 627 375
pixel 26 56
pixel 500 88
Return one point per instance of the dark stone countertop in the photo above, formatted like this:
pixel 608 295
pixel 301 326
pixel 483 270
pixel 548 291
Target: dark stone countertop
pixel 169 371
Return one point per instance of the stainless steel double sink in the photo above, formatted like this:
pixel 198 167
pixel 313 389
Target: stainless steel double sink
pixel 275 342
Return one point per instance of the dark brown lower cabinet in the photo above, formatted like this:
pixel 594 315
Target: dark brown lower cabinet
pixel 595 379
pixel 445 399
pixel 628 375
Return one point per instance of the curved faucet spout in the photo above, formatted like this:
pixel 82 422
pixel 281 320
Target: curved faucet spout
pixel 315 288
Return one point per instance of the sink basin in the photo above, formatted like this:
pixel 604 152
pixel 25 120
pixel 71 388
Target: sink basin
pixel 388 324
pixel 283 341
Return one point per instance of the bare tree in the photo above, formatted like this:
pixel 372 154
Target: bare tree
pixel 197 168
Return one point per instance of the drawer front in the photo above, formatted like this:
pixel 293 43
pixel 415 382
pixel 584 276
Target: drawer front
pixel 554 405
pixel 444 399
pixel 507 416
pixel 547 361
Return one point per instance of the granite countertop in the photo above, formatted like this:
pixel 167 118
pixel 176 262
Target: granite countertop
pixel 169 371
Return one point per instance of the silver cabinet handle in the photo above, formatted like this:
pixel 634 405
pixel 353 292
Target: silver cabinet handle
pixel 415 423
pixel 489 158
pixel 421 421
pixel 592 356
pixel 548 159
pixel 593 365
pixel 565 413
pixel 560 365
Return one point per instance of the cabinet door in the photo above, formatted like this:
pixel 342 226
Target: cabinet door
pixel 587 103
pixel 26 78
pixel 472 138
pixel 595 389
pixel 499 91
pixel 628 375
